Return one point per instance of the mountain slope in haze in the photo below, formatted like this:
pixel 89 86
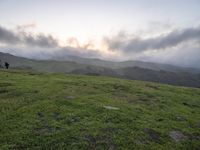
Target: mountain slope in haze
pixel 181 77
pixel 51 66
pixel 124 64
pixel 102 63
pixel 76 112
pixel 173 78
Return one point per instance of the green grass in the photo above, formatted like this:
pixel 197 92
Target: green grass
pixel 57 111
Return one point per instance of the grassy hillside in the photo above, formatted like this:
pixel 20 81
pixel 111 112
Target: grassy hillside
pixel 49 66
pixel 172 78
pixel 161 73
pixel 56 111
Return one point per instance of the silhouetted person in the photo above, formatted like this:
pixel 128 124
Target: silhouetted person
pixel 1 65
pixel 6 65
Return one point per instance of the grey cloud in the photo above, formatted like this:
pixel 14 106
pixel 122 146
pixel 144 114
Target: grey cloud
pixel 42 46
pixel 138 44
pixel 40 40
pixel 52 53
pixel 7 36
pixel 186 57
pixel 22 38
pixel 82 52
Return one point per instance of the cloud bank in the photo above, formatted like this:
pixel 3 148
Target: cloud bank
pixel 10 37
pixel 40 46
pixel 128 44
pixel 178 47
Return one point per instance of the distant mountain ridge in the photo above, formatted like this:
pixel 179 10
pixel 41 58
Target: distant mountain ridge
pixel 135 70
pixel 123 64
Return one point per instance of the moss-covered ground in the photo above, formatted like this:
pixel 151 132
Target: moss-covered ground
pixel 58 111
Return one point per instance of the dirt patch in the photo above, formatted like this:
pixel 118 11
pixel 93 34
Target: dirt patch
pixel 177 136
pixel 111 130
pixel 120 87
pixel 45 127
pixel 153 135
pixel 98 141
pixel 147 97
pixel 57 116
pixel 152 87
pixel 90 139
pixel 129 98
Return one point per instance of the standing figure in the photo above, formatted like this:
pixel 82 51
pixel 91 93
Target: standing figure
pixel 1 65
pixel 6 65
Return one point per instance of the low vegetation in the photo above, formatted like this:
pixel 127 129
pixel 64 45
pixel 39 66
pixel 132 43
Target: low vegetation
pixel 57 111
pixel 135 70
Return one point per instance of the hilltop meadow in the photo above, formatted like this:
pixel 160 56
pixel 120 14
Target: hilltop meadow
pixel 66 111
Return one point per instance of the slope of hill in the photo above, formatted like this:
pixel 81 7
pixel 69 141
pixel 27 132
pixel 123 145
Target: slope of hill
pixel 125 64
pixel 174 77
pixel 57 111
pixel 51 66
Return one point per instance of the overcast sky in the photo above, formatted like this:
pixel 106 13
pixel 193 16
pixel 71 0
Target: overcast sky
pixel 166 31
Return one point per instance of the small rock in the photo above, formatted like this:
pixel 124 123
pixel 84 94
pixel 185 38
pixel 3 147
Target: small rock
pixel 177 136
pixel 70 97
pixel 90 139
pixel 181 118
pixel 153 135
pixel 111 130
pixel 57 116
pixel 198 125
pixel 111 107
pixel 140 142
pixel 194 136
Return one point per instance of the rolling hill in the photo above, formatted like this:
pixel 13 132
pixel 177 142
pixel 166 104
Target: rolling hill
pixel 131 69
pixel 126 64
pixel 58 111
